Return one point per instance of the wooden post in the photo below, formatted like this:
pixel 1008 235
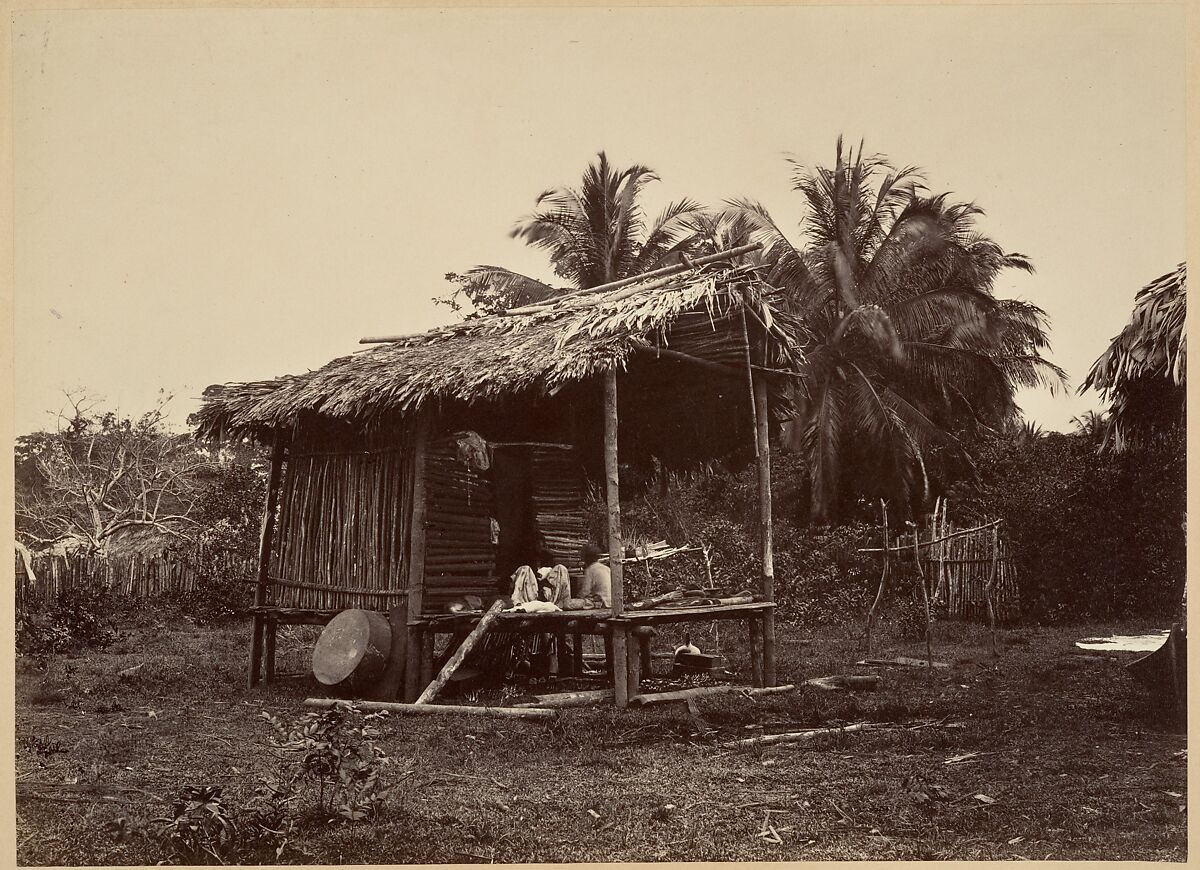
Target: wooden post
pixel 989 586
pixel 272 627
pixel 756 647
pixel 924 597
pixel 882 578
pixel 762 442
pixel 616 549
pixel 393 676
pixel 264 559
pixel 427 638
pixel 416 555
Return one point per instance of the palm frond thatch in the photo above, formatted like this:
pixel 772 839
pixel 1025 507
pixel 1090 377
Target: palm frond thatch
pixel 542 348
pixel 1143 370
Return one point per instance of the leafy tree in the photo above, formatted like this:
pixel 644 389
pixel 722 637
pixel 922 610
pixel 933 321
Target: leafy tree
pixel 1094 533
pixel 907 348
pixel 593 234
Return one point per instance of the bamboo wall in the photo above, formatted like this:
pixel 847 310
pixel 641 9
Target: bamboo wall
pixel 138 576
pixel 343 525
pixel 961 568
pixel 558 495
pixel 345 522
pixel 460 557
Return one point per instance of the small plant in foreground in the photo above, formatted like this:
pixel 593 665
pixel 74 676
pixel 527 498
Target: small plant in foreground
pixel 204 829
pixel 338 752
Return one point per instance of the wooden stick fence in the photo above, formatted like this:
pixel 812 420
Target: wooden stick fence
pixel 962 562
pixel 138 576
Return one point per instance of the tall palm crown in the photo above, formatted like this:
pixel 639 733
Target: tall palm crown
pixel 906 343
pixel 594 233
pixel 1144 369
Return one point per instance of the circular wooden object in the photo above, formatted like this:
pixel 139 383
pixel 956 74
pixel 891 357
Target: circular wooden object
pixel 353 643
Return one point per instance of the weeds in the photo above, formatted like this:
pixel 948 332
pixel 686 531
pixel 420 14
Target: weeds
pixel 338 753
pixel 203 828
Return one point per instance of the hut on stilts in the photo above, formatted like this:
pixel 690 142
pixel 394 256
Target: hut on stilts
pixel 427 466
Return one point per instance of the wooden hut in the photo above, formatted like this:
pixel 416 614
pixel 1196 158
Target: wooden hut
pixel 428 465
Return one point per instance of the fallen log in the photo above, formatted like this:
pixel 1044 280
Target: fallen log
pixel 845 682
pixel 435 709
pixel 568 699
pixel 904 661
pixel 702 691
pixel 801 736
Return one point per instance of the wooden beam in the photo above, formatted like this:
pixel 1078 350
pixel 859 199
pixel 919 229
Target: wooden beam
pixel 901 548
pixel 436 709
pixel 616 549
pixel 416 553
pixel 461 653
pixel 766 533
pixel 721 369
pixel 265 539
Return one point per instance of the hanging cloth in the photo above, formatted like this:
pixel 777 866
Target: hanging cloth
pixel 558 585
pixel 525 585
pixel 473 451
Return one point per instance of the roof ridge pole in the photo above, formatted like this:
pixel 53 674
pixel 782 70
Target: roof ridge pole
pixel 662 272
pixel 616 548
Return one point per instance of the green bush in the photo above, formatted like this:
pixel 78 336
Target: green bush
pixel 79 616
pixel 203 828
pixel 1093 534
pixel 820 577
pixel 336 752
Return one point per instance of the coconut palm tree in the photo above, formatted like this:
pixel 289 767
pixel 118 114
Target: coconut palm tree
pixel 1144 369
pixel 906 344
pixel 593 234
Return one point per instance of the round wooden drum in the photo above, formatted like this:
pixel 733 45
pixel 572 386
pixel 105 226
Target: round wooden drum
pixel 353 643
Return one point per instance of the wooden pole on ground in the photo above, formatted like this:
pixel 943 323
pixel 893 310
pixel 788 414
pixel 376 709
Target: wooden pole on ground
pixel 616 549
pixel 264 558
pixel 461 653
pixel 436 709
pixel 763 444
pixel 416 556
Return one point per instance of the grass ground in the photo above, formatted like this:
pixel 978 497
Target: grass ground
pixel 1072 761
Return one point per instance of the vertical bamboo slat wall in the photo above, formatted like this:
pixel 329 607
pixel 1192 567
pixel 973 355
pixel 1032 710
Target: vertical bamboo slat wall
pixel 344 520
pixel 962 567
pixel 138 576
pixel 460 557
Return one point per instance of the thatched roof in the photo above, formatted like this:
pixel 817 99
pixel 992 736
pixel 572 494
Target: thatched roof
pixel 1145 367
pixel 539 347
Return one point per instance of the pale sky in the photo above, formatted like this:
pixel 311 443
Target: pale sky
pixel 214 195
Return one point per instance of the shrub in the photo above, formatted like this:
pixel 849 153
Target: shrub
pixel 79 616
pixel 820 576
pixel 1094 534
pixel 203 828
pixel 337 753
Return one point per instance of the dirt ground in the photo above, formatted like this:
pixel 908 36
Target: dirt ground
pixel 1039 753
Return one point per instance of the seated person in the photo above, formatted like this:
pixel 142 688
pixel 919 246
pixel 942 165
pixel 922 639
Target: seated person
pixel 597 579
